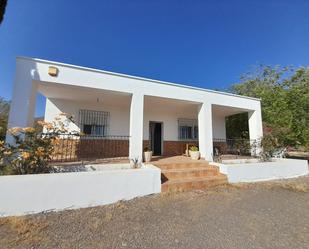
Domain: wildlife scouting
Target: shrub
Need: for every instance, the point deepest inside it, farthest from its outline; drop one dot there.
(243, 146)
(147, 149)
(194, 148)
(32, 150)
(270, 145)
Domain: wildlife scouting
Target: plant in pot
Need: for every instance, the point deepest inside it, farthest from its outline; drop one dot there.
(194, 153)
(147, 154)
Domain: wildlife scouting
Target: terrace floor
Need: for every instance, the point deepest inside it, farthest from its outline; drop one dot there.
(156, 160)
(159, 160)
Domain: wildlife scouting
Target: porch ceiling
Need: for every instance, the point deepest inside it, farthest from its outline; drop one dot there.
(224, 111)
(83, 94)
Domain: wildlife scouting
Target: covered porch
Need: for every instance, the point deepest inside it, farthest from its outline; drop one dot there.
(107, 120)
(120, 115)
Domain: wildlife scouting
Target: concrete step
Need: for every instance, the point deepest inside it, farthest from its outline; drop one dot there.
(193, 183)
(172, 174)
(181, 165)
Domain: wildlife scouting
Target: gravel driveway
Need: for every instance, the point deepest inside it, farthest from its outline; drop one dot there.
(264, 215)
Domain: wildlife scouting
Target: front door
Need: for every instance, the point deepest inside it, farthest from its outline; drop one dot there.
(155, 137)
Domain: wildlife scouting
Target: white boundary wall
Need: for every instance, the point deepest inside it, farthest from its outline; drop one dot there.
(24, 194)
(264, 171)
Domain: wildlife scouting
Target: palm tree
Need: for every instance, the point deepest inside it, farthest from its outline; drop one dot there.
(2, 9)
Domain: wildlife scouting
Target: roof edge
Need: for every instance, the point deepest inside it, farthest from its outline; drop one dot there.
(135, 77)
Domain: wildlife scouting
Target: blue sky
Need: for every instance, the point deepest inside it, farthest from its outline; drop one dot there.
(201, 43)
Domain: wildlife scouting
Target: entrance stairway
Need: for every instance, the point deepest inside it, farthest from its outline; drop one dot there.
(189, 175)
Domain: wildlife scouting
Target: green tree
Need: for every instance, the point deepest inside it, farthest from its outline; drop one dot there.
(237, 126)
(284, 92)
(4, 113)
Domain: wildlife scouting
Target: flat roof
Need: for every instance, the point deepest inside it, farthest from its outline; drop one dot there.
(134, 77)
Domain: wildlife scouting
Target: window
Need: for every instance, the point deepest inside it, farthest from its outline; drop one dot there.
(96, 130)
(185, 132)
(195, 132)
(94, 123)
(187, 129)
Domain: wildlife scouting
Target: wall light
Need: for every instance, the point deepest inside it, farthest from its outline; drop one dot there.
(53, 71)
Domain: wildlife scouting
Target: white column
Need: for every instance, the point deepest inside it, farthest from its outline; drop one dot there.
(255, 128)
(136, 126)
(218, 125)
(205, 131)
(23, 99)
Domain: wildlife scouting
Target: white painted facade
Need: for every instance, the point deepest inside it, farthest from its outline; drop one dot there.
(240, 171)
(131, 101)
(25, 194)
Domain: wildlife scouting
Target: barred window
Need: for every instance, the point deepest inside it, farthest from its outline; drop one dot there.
(94, 123)
(187, 129)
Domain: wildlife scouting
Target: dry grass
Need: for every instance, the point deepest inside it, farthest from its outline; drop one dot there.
(291, 186)
(24, 229)
(295, 187)
(238, 185)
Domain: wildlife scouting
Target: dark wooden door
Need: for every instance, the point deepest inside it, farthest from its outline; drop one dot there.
(155, 130)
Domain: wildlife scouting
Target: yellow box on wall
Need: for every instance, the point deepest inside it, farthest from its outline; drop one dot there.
(53, 71)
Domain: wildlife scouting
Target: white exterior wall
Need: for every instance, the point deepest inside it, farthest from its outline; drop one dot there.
(120, 118)
(92, 78)
(30, 72)
(218, 126)
(119, 122)
(37, 193)
(169, 116)
(264, 171)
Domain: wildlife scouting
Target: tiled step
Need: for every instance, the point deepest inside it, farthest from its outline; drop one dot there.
(181, 165)
(193, 183)
(172, 174)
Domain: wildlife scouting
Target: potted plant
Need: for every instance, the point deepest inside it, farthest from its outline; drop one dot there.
(194, 153)
(147, 154)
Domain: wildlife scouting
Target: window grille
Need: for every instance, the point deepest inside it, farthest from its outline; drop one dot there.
(94, 123)
(187, 129)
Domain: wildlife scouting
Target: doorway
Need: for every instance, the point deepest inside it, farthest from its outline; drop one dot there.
(155, 137)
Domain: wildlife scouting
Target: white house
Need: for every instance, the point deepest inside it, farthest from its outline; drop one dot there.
(162, 114)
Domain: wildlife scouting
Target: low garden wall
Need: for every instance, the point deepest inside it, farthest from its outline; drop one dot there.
(263, 171)
(23, 194)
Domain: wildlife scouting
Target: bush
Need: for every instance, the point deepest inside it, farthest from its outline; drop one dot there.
(270, 146)
(31, 151)
(194, 148)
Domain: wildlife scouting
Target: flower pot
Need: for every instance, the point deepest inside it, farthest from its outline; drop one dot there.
(195, 155)
(147, 156)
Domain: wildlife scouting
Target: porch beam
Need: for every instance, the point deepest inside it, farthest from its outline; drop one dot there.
(205, 131)
(136, 126)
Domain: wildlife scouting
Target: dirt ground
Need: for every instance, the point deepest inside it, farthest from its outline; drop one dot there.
(262, 215)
